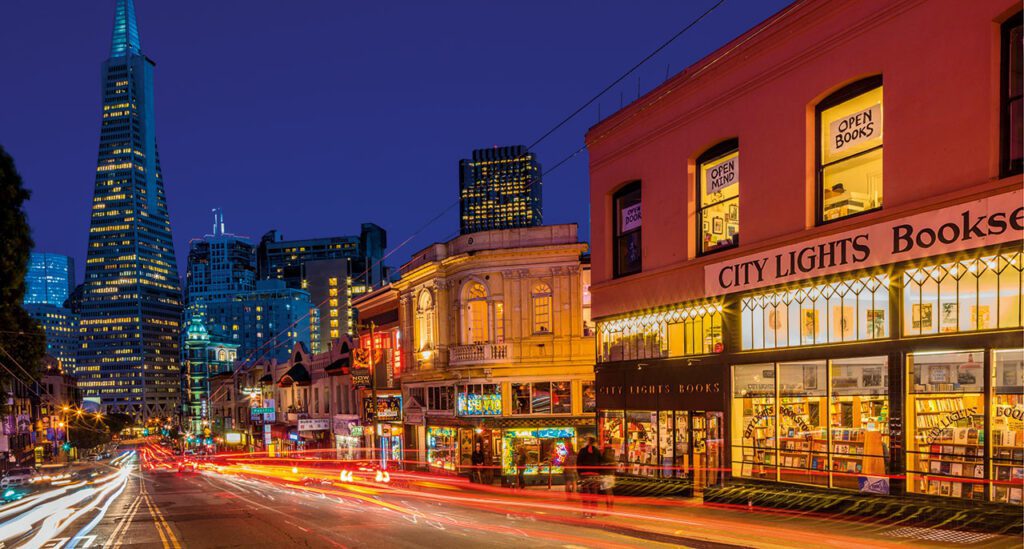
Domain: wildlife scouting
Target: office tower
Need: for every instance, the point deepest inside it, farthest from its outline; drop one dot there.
(331, 269)
(499, 188)
(265, 323)
(131, 304)
(220, 266)
(50, 278)
(61, 328)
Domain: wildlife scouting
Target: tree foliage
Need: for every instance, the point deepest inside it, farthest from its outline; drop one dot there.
(22, 341)
(118, 422)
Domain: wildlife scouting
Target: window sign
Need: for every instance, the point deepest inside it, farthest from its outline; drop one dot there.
(722, 175)
(630, 218)
(479, 405)
(855, 129)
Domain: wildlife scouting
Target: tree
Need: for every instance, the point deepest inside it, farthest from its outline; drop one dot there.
(86, 434)
(117, 422)
(22, 341)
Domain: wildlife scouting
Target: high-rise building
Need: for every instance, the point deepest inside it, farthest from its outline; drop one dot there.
(333, 270)
(61, 328)
(499, 188)
(50, 278)
(265, 323)
(131, 304)
(220, 266)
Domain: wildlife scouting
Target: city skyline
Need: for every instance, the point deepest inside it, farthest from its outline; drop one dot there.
(350, 141)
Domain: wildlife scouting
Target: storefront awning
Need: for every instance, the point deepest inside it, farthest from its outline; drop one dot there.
(297, 375)
(267, 379)
(339, 367)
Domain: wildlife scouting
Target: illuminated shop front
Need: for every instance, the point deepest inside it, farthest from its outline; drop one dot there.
(908, 380)
(665, 419)
(443, 448)
(545, 449)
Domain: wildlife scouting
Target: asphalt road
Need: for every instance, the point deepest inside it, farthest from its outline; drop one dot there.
(164, 508)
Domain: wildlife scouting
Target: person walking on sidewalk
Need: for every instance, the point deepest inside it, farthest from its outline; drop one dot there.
(477, 461)
(588, 464)
(608, 464)
(521, 467)
(572, 477)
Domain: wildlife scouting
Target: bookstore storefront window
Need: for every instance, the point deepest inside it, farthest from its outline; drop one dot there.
(947, 443)
(675, 331)
(665, 443)
(815, 422)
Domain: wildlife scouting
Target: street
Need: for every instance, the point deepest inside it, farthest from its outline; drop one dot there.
(144, 501)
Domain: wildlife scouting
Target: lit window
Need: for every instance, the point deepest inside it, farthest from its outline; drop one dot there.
(718, 197)
(541, 297)
(475, 321)
(628, 255)
(850, 150)
(424, 321)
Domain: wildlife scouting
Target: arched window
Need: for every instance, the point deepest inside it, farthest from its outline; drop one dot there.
(541, 297)
(718, 197)
(424, 321)
(475, 322)
(849, 150)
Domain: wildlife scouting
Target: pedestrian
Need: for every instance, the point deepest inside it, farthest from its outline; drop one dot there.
(572, 477)
(521, 467)
(608, 464)
(477, 461)
(588, 465)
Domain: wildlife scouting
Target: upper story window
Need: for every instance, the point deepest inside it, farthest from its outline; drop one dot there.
(475, 322)
(424, 321)
(628, 255)
(541, 297)
(1012, 135)
(850, 150)
(718, 197)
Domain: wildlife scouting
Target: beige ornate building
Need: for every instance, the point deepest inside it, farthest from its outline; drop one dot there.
(498, 348)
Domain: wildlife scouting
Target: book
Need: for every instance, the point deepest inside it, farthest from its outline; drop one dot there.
(934, 466)
(956, 469)
(979, 471)
(960, 435)
(945, 488)
(958, 489)
(1015, 494)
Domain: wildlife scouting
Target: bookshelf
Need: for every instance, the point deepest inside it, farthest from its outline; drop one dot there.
(948, 457)
(1007, 449)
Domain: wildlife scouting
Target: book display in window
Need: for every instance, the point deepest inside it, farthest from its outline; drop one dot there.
(1008, 448)
(759, 450)
(803, 446)
(948, 453)
(860, 436)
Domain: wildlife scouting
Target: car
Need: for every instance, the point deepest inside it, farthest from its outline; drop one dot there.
(18, 477)
(187, 467)
(364, 471)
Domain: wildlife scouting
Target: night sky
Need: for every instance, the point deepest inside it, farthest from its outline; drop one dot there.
(312, 116)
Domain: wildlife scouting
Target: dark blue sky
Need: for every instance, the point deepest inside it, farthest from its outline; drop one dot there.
(312, 116)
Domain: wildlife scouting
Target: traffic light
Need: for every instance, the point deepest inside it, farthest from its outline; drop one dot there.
(66, 446)
(145, 432)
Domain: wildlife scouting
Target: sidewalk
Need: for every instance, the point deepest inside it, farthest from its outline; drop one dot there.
(688, 522)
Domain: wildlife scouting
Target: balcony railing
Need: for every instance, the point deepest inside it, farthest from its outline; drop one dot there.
(479, 353)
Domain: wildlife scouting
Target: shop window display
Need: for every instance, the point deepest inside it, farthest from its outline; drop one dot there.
(850, 150)
(545, 449)
(611, 432)
(589, 397)
(542, 397)
(946, 420)
(859, 420)
(959, 296)
(1008, 426)
(753, 421)
(846, 310)
(788, 427)
(641, 440)
(442, 447)
(678, 331)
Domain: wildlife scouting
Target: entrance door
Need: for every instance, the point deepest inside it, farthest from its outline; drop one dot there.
(706, 437)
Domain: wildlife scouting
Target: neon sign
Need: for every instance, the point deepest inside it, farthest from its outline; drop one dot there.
(478, 405)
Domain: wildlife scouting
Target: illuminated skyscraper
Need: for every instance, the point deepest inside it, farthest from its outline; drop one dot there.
(50, 278)
(131, 304)
(499, 188)
(220, 266)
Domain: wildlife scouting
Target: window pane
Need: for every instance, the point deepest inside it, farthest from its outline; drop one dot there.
(858, 417)
(852, 186)
(720, 225)
(641, 440)
(753, 421)
(542, 398)
(611, 430)
(852, 126)
(803, 450)
(561, 397)
(1008, 425)
(628, 248)
(946, 438)
(589, 397)
(520, 398)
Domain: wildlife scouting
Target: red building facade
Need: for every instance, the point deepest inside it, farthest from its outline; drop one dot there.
(847, 314)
